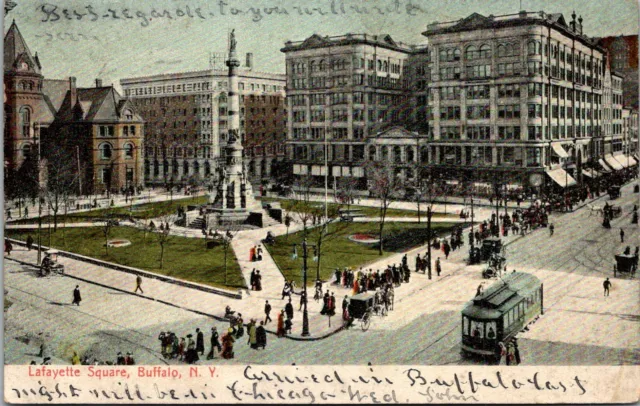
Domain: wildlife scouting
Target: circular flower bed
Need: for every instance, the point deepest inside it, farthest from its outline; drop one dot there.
(364, 238)
(118, 243)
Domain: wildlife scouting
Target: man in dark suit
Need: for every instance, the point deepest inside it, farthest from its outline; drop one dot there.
(199, 342)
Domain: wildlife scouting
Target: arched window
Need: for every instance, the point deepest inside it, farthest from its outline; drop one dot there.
(196, 167)
(175, 166)
(147, 170)
(207, 168)
(533, 48)
(449, 54)
(25, 121)
(471, 52)
(106, 151)
(385, 66)
(128, 150)
(411, 156)
(185, 168)
(379, 65)
(312, 66)
(424, 154)
(156, 168)
(502, 50)
(322, 65)
(456, 54)
(372, 153)
(485, 51)
(397, 154)
(26, 151)
(222, 98)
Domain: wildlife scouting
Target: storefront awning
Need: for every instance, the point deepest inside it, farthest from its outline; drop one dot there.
(613, 163)
(557, 148)
(604, 166)
(633, 160)
(591, 173)
(561, 177)
(622, 160)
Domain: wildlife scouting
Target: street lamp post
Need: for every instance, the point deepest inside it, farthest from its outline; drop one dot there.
(305, 314)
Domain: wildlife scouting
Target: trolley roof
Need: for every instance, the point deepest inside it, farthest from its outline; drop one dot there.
(502, 295)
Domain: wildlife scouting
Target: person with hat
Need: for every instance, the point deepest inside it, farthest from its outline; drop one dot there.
(199, 342)
(261, 336)
(75, 360)
(120, 359)
(239, 326)
(192, 355)
(128, 360)
(267, 310)
(76, 296)
(215, 343)
(227, 344)
(181, 347)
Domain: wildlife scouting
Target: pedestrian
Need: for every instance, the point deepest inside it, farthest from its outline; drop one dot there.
(303, 299)
(199, 342)
(259, 253)
(267, 310)
(8, 247)
(252, 254)
(621, 235)
(551, 229)
(286, 290)
(215, 343)
(8, 214)
(120, 359)
(29, 242)
(288, 309)
(607, 285)
(280, 329)
(251, 332)
(227, 344)
(258, 281)
(288, 325)
(191, 355)
(252, 280)
(294, 255)
(479, 291)
(76, 296)
(261, 336)
(138, 283)
(438, 266)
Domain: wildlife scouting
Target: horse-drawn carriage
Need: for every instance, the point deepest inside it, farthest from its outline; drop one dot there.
(495, 266)
(492, 245)
(627, 263)
(50, 264)
(361, 308)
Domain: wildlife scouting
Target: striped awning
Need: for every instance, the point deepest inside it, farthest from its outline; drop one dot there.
(561, 177)
(557, 148)
(591, 173)
(613, 163)
(604, 166)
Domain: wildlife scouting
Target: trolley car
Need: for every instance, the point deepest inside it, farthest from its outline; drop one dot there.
(499, 313)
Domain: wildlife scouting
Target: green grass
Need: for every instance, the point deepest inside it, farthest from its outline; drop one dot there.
(339, 251)
(141, 211)
(184, 258)
(368, 211)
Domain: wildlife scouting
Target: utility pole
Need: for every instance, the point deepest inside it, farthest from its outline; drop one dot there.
(305, 314)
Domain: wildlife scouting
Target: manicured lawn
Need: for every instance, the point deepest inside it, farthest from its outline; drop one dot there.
(368, 211)
(184, 258)
(339, 251)
(141, 211)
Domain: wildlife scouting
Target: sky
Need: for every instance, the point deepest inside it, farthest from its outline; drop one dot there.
(152, 41)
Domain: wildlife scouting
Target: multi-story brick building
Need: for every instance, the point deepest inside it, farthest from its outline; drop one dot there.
(623, 54)
(514, 95)
(186, 115)
(340, 91)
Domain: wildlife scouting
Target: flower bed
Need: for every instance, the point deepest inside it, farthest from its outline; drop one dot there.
(364, 238)
(118, 243)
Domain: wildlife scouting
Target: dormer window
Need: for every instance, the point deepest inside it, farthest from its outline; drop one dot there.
(128, 115)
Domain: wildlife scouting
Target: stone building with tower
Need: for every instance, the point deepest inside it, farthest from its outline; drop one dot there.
(95, 128)
(186, 116)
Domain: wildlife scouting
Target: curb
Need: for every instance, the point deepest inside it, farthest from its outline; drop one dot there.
(140, 272)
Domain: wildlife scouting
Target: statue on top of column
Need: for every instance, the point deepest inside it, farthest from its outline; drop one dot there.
(232, 41)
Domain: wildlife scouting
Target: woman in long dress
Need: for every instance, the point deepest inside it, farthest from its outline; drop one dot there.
(280, 331)
(227, 344)
(253, 340)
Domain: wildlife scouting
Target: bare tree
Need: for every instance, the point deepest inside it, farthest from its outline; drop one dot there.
(60, 180)
(385, 185)
(302, 206)
(347, 191)
(106, 230)
(164, 231)
(332, 213)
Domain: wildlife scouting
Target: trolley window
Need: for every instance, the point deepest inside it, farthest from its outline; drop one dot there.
(477, 329)
(465, 325)
(491, 330)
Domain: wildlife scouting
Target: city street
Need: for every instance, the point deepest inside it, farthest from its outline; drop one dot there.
(579, 327)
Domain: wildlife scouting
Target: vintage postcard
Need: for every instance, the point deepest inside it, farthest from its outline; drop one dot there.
(328, 201)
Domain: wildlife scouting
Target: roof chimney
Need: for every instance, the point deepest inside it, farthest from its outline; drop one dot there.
(73, 91)
(98, 82)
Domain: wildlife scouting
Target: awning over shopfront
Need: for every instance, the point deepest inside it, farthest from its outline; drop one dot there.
(561, 177)
(591, 173)
(604, 166)
(557, 148)
(622, 160)
(613, 163)
(633, 160)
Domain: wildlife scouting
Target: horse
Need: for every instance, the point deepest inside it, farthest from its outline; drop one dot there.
(595, 209)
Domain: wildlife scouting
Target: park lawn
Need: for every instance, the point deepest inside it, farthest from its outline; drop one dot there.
(368, 211)
(339, 251)
(141, 211)
(184, 258)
